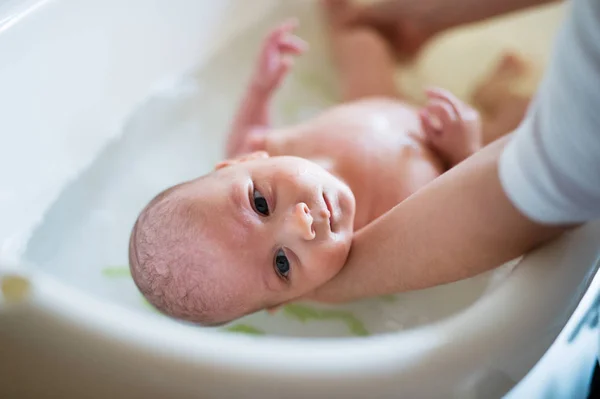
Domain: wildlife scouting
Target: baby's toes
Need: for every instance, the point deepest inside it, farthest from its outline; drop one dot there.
(511, 64)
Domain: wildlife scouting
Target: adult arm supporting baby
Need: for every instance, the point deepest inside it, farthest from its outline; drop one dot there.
(408, 24)
(501, 202)
(459, 225)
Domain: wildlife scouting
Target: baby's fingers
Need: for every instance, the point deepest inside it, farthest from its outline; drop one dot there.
(279, 32)
(431, 131)
(442, 111)
(291, 44)
(286, 27)
(445, 96)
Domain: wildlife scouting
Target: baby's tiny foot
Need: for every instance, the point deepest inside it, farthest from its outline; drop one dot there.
(511, 65)
(501, 86)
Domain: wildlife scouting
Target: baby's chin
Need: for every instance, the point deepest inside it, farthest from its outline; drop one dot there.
(334, 266)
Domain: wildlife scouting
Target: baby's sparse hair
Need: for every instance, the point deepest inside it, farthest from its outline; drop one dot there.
(169, 263)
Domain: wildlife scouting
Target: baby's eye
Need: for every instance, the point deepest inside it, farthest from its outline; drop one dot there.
(282, 264)
(260, 203)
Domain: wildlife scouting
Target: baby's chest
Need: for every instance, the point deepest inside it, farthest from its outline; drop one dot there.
(386, 164)
(381, 184)
(365, 131)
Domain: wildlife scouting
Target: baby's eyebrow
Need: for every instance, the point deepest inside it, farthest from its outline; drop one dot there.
(237, 196)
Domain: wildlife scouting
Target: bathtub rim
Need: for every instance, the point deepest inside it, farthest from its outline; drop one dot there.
(304, 357)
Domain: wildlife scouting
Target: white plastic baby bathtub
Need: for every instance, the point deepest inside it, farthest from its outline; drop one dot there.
(103, 103)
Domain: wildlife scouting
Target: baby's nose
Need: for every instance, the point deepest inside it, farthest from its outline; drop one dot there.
(303, 221)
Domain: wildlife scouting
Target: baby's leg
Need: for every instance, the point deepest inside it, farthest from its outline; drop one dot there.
(364, 61)
(502, 103)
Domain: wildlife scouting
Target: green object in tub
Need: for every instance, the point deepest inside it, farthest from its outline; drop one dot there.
(116, 272)
(244, 329)
(301, 313)
(304, 313)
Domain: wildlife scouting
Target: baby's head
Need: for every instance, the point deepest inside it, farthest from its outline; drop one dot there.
(257, 232)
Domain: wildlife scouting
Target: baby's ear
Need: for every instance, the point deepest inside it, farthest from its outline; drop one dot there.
(242, 158)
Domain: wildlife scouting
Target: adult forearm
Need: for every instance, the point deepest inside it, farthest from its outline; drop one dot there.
(408, 24)
(460, 225)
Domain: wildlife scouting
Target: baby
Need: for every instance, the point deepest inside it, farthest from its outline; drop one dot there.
(276, 219)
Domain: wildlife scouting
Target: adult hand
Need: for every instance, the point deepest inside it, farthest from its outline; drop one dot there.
(409, 24)
(406, 24)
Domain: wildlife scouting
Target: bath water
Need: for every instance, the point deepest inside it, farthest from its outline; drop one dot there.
(178, 134)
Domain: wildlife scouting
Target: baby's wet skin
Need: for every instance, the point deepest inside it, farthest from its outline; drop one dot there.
(259, 231)
(271, 226)
(376, 146)
(304, 210)
(265, 230)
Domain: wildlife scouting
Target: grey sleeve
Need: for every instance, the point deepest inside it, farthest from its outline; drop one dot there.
(551, 168)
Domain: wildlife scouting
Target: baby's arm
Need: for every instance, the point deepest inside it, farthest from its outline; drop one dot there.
(273, 64)
(452, 127)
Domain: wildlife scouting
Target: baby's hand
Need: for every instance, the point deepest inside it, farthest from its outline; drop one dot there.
(276, 56)
(452, 127)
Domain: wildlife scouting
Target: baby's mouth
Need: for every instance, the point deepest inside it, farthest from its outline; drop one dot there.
(330, 209)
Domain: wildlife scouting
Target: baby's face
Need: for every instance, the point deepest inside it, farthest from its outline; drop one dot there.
(280, 227)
